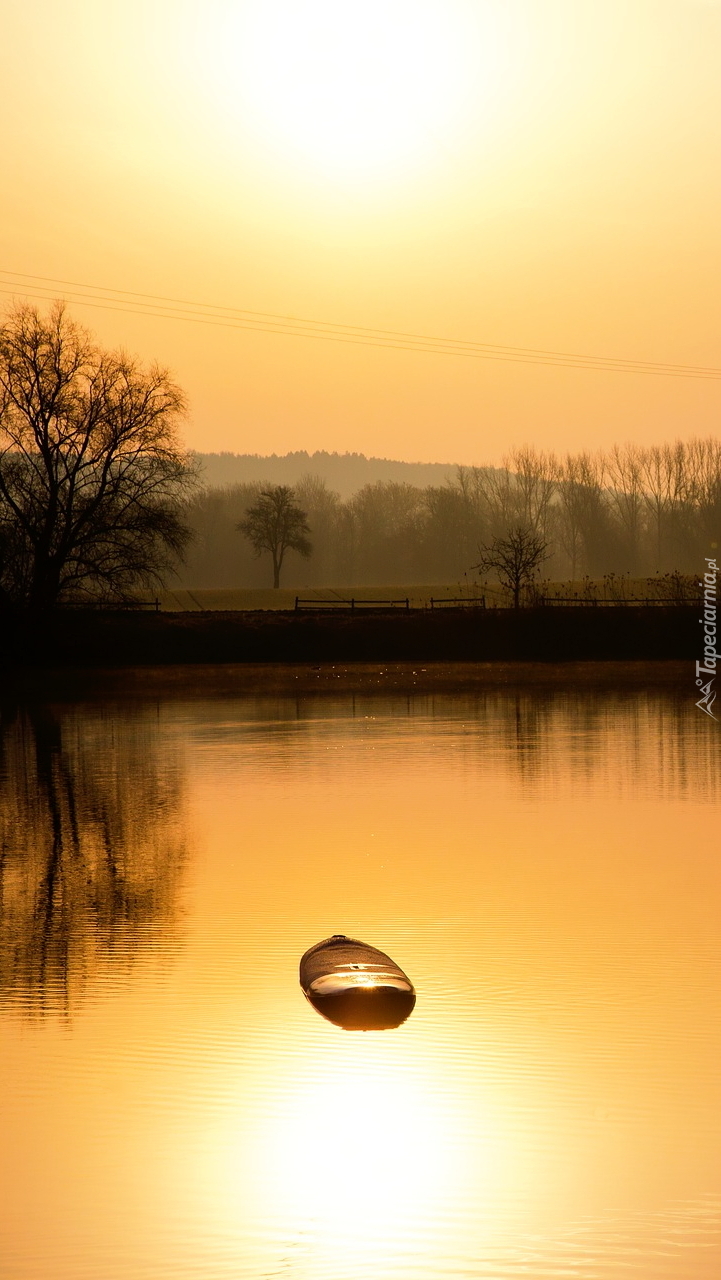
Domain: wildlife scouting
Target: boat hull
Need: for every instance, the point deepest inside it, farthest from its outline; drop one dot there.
(356, 986)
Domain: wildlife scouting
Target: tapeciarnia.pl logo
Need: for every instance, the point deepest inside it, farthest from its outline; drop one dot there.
(710, 656)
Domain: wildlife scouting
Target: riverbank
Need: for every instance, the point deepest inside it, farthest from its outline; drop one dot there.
(366, 680)
(120, 639)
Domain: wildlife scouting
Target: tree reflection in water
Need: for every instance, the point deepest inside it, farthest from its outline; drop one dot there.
(91, 849)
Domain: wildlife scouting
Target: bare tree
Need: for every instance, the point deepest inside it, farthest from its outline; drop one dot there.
(212, 558)
(536, 477)
(469, 485)
(322, 506)
(571, 504)
(386, 525)
(702, 491)
(516, 559)
(625, 497)
(502, 498)
(92, 475)
(663, 473)
(585, 517)
(445, 544)
(276, 523)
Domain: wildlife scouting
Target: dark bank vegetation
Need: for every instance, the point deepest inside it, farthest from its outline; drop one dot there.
(93, 479)
(108, 638)
(630, 511)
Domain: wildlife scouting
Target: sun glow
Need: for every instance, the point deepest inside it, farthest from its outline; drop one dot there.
(360, 1156)
(351, 89)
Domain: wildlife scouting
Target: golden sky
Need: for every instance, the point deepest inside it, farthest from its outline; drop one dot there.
(530, 173)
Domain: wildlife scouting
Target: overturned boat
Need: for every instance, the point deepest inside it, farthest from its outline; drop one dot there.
(356, 986)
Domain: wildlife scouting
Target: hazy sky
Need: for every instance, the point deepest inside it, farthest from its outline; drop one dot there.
(542, 174)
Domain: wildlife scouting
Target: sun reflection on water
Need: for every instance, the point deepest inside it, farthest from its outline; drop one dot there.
(363, 1154)
(367, 1151)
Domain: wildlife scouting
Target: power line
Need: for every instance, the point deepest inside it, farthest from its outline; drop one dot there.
(153, 299)
(162, 307)
(309, 333)
(147, 304)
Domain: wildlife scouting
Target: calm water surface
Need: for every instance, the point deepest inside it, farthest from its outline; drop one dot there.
(545, 866)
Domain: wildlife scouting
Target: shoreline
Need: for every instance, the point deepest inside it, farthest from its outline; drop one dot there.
(91, 639)
(248, 680)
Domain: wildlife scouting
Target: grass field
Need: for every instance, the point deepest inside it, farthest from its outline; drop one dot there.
(198, 600)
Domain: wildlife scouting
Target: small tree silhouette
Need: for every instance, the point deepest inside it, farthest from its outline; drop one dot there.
(516, 559)
(276, 523)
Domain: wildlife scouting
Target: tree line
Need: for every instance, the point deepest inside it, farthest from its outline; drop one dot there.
(99, 499)
(345, 472)
(632, 509)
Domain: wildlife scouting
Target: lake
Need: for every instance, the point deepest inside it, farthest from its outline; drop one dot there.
(543, 862)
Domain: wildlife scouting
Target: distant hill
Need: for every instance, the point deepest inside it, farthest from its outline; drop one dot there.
(343, 472)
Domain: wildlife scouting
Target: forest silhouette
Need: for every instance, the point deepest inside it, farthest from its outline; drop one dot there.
(631, 510)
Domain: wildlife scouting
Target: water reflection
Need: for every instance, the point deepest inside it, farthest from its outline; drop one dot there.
(541, 864)
(546, 737)
(92, 847)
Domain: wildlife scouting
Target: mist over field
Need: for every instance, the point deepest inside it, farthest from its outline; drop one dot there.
(628, 511)
(345, 473)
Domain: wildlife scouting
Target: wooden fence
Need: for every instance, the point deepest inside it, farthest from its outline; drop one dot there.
(352, 605)
(458, 602)
(594, 601)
